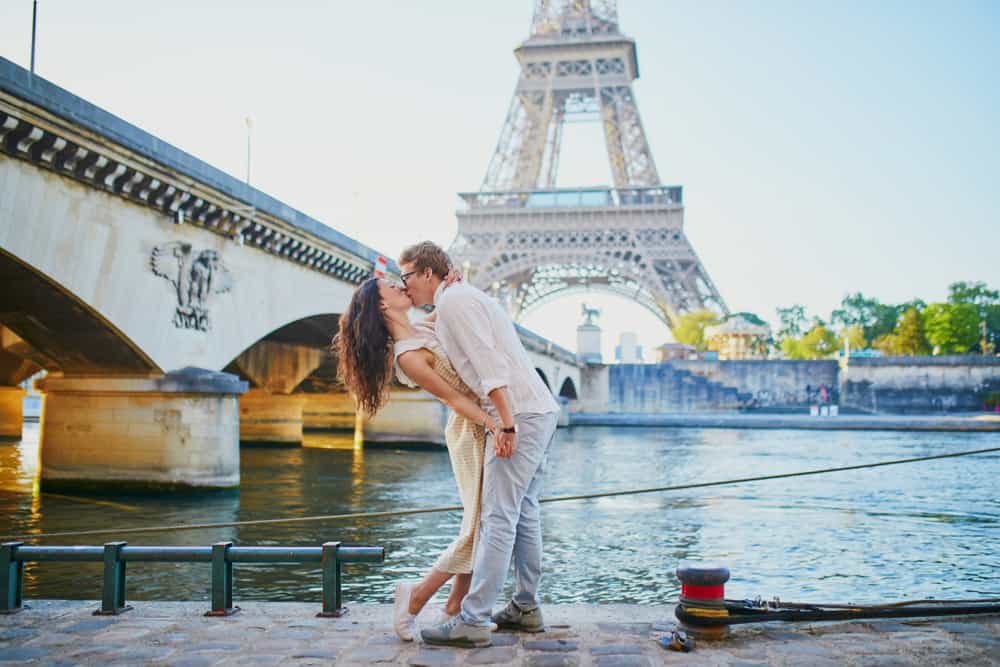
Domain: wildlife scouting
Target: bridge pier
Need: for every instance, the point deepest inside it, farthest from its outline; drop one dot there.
(329, 411)
(270, 413)
(11, 412)
(410, 416)
(177, 431)
(269, 419)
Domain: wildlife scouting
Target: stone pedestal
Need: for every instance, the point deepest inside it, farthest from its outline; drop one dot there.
(563, 412)
(411, 416)
(332, 411)
(588, 343)
(271, 420)
(11, 412)
(175, 432)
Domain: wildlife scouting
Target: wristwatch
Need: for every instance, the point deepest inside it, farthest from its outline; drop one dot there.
(509, 429)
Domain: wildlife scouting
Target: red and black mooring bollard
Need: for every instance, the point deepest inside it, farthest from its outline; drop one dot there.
(703, 597)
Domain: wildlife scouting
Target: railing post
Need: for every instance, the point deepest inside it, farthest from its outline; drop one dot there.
(222, 581)
(113, 596)
(11, 578)
(332, 601)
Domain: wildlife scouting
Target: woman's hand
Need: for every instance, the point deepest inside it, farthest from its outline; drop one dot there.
(505, 445)
(493, 427)
(454, 276)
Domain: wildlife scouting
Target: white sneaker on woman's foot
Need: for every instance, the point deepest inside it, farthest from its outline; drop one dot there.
(403, 621)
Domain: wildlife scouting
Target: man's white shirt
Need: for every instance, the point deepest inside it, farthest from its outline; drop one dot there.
(485, 350)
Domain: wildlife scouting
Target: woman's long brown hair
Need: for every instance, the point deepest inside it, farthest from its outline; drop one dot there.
(364, 349)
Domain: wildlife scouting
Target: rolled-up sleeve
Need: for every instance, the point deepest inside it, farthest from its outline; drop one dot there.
(470, 327)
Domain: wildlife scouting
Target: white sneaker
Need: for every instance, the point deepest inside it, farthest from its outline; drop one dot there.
(443, 617)
(403, 621)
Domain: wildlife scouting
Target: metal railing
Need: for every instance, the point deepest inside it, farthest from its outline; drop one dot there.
(221, 555)
(596, 197)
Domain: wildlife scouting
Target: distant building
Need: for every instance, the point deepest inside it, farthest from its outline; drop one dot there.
(674, 351)
(628, 350)
(739, 336)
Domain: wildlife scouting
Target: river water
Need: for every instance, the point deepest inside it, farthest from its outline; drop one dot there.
(917, 530)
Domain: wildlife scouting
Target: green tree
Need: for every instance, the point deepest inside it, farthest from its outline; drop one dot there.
(690, 328)
(790, 348)
(987, 303)
(910, 336)
(907, 338)
(952, 328)
(818, 343)
(793, 321)
(976, 294)
(855, 309)
(875, 318)
(992, 323)
(854, 334)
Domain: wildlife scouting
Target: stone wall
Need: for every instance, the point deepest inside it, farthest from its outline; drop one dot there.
(920, 384)
(770, 383)
(686, 386)
(886, 385)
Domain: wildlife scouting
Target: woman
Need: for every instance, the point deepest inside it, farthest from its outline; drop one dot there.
(374, 332)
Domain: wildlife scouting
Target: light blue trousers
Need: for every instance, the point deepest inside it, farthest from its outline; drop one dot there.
(510, 521)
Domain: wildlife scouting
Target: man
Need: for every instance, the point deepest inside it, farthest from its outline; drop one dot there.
(483, 346)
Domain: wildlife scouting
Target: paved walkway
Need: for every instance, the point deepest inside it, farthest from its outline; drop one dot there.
(978, 422)
(176, 633)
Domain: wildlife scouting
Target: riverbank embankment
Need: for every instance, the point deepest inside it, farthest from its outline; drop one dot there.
(981, 422)
(269, 633)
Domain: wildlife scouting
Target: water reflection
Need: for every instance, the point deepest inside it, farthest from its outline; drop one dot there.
(907, 531)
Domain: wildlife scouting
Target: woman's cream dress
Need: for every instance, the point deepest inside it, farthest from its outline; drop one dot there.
(466, 442)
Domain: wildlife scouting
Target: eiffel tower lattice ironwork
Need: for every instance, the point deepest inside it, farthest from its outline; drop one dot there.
(527, 241)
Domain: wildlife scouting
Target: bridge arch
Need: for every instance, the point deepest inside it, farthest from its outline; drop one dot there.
(545, 378)
(664, 287)
(65, 333)
(578, 290)
(568, 389)
(288, 356)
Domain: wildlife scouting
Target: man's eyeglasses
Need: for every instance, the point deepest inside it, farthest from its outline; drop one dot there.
(406, 275)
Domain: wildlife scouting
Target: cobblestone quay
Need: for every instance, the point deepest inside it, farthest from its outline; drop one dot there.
(176, 633)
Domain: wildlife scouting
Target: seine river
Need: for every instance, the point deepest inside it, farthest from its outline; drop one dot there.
(917, 530)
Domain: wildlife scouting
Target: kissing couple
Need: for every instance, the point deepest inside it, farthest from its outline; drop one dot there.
(501, 421)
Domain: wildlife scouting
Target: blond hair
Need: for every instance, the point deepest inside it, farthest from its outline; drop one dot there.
(427, 255)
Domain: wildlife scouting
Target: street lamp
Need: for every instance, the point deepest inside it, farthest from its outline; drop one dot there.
(34, 24)
(249, 128)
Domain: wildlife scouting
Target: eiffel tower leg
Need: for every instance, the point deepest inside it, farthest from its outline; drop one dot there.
(631, 159)
(517, 160)
(533, 144)
(613, 139)
(554, 146)
(500, 172)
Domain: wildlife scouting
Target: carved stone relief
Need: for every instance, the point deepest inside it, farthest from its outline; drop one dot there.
(196, 276)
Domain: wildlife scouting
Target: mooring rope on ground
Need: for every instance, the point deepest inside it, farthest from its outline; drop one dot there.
(452, 508)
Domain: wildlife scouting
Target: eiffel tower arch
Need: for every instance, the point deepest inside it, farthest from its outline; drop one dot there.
(528, 242)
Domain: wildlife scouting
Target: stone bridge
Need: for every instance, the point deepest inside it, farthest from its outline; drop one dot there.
(175, 310)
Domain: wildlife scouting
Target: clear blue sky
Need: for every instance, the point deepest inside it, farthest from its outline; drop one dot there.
(824, 147)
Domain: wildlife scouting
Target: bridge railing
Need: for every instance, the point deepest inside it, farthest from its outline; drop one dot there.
(597, 197)
(533, 341)
(221, 555)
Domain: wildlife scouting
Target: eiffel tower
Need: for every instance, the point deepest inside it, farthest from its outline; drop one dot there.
(528, 242)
